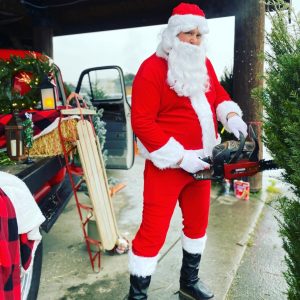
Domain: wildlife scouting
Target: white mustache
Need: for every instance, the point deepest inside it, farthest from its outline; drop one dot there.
(187, 73)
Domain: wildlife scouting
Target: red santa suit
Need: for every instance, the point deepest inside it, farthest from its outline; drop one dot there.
(169, 120)
(166, 125)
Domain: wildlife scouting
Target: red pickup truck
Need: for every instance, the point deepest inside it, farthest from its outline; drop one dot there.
(46, 178)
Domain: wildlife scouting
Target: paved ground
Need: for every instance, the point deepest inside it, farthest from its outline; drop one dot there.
(260, 273)
(67, 273)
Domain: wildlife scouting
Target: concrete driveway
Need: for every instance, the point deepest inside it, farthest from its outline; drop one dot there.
(67, 273)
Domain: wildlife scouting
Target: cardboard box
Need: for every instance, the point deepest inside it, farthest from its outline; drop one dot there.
(241, 189)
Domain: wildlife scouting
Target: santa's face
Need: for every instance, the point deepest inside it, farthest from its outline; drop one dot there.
(187, 73)
(192, 37)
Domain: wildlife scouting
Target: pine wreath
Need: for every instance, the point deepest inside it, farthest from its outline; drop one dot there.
(28, 71)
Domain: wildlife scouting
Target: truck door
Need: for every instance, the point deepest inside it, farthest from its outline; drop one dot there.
(104, 87)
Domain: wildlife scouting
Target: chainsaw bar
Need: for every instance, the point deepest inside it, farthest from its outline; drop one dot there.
(267, 165)
(240, 169)
(235, 159)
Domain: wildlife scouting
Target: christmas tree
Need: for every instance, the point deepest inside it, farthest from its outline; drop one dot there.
(281, 100)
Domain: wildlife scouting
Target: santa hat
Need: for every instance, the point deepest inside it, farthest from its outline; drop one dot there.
(185, 17)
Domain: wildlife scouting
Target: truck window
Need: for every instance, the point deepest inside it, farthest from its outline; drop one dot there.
(102, 85)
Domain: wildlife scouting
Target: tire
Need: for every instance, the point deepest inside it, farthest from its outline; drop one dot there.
(31, 281)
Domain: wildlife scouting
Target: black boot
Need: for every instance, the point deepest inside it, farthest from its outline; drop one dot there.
(191, 287)
(138, 287)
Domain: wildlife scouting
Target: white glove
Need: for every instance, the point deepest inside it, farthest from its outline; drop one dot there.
(192, 163)
(237, 125)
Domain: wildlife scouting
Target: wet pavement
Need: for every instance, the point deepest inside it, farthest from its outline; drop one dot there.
(67, 273)
(259, 275)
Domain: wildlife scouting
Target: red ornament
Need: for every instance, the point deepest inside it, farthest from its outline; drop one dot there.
(21, 82)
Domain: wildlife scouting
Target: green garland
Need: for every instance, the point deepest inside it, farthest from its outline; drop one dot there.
(5, 160)
(31, 70)
(28, 131)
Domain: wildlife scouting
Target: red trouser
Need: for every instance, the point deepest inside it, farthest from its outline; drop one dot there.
(162, 189)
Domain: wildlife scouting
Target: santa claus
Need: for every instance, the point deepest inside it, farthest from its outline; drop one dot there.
(176, 102)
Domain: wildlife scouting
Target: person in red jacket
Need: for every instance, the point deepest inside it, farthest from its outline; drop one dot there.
(176, 102)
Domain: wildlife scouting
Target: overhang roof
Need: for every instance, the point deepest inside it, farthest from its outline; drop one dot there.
(17, 17)
(71, 16)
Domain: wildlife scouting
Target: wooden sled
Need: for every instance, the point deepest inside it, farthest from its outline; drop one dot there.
(95, 175)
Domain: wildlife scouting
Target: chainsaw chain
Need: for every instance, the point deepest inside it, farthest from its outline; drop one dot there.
(267, 165)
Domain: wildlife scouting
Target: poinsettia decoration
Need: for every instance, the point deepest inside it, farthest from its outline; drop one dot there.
(20, 78)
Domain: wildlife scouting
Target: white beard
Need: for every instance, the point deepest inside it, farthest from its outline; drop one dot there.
(187, 76)
(187, 72)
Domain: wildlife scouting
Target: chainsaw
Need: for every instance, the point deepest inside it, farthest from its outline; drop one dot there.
(235, 159)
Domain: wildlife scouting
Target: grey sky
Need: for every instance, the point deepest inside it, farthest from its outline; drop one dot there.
(127, 48)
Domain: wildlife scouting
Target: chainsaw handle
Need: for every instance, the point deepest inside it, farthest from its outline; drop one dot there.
(240, 149)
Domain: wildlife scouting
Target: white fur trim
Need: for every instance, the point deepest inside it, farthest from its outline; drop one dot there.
(177, 24)
(142, 149)
(34, 234)
(160, 52)
(23, 271)
(193, 246)
(224, 109)
(188, 22)
(205, 116)
(144, 152)
(140, 265)
(28, 214)
(168, 155)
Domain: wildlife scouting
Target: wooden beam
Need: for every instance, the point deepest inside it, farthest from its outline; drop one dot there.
(43, 39)
(248, 68)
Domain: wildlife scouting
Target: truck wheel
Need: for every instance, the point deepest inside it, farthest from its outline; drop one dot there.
(30, 281)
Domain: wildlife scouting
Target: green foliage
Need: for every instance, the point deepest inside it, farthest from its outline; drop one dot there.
(27, 71)
(5, 160)
(290, 233)
(227, 81)
(281, 97)
(281, 101)
(69, 88)
(28, 131)
(128, 79)
(98, 93)
(99, 125)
